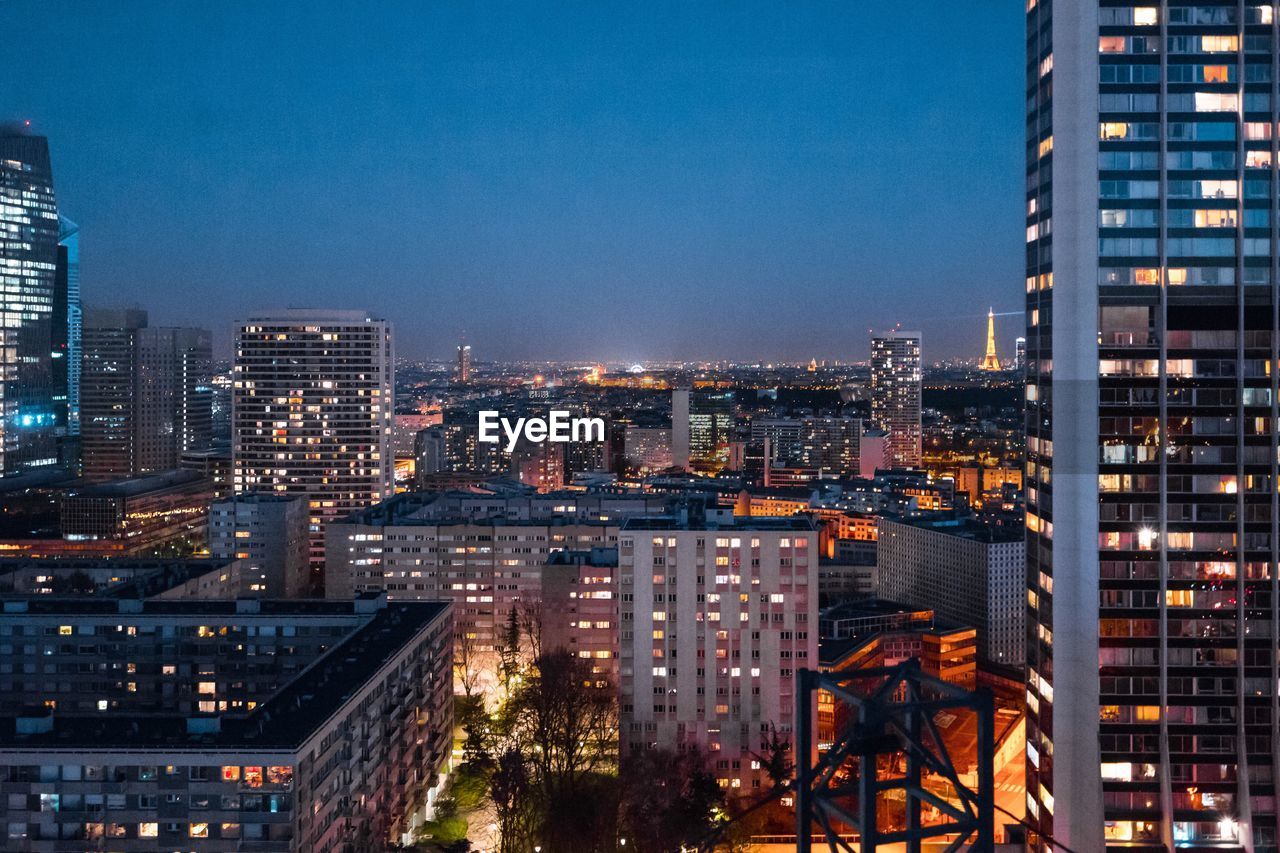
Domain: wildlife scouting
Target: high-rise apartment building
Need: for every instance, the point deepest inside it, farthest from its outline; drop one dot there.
(28, 270)
(970, 573)
(1151, 411)
(895, 394)
(827, 446)
(146, 394)
(313, 400)
(270, 534)
(718, 615)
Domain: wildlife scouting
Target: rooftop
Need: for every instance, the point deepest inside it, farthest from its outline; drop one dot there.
(284, 720)
(965, 527)
(134, 486)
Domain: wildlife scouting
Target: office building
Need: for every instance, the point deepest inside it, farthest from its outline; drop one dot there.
(1151, 395)
(137, 515)
(702, 424)
(327, 730)
(270, 532)
(214, 464)
(895, 395)
(29, 266)
(718, 616)
(68, 326)
(145, 394)
(313, 402)
(1020, 353)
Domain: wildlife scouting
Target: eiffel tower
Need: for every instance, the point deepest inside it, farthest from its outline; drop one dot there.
(990, 361)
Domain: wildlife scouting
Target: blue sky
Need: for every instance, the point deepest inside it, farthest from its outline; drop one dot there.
(555, 180)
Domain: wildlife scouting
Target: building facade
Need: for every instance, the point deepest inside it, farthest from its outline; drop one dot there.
(270, 533)
(716, 619)
(969, 573)
(279, 726)
(895, 395)
(28, 267)
(68, 326)
(313, 400)
(146, 394)
(1151, 410)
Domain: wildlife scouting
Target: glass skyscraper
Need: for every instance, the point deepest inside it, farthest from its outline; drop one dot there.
(1152, 294)
(28, 271)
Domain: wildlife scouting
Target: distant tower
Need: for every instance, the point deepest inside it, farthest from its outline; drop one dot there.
(896, 395)
(990, 361)
(1020, 354)
(463, 369)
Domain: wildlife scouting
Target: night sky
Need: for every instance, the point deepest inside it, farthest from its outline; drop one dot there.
(555, 180)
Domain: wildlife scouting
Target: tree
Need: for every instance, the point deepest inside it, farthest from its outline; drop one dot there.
(477, 745)
(669, 799)
(531, 625)
(509, 649)
(512, 793)
(775, 758)
(467, 668)
(569, 724)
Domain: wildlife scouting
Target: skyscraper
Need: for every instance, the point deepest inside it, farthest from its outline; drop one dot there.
(145, 391)
(462, 371)
(28, 266)
(1151, 410)
(68, 323)
(1019, 353)
(895, 394)
(311, 413)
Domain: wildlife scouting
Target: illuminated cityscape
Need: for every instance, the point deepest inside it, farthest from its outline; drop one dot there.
(489, 429)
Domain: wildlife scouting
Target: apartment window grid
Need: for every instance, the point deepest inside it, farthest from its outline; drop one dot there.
(1187, 277)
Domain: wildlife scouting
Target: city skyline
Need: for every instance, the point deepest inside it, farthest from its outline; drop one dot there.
(769, 185)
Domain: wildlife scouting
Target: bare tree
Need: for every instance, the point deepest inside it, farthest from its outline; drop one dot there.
(531, 625)
(466, 663)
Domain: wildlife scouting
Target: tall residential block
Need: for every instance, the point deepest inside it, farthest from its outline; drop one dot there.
(270, 534)
(1151, 388)
(718, 615)
(895, 395)
(967, 572)
(313, 399)
(28, 269)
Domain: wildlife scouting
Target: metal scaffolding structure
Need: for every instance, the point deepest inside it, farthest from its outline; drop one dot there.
(892, 721)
